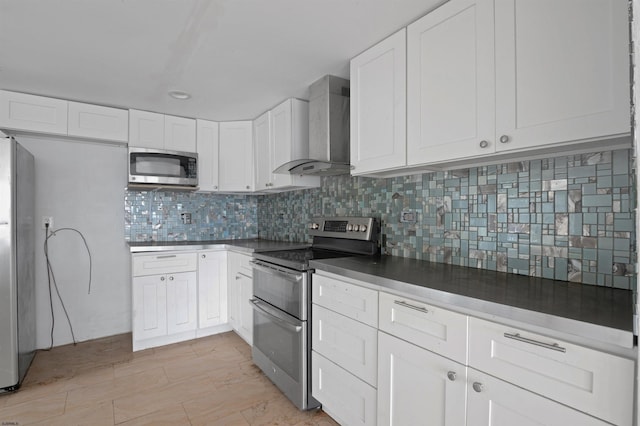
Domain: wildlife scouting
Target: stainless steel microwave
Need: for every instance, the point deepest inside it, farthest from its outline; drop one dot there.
(152, 166)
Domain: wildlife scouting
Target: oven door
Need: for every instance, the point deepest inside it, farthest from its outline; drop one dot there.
(280, 348)
(284, 288)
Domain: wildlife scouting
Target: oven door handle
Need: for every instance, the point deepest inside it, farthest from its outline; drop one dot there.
(297, 276)
(275, 315)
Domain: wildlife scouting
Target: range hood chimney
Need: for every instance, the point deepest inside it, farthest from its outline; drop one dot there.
(328, 130)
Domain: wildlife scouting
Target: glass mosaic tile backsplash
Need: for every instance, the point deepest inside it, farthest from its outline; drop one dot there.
(181, 216)
(568, 218)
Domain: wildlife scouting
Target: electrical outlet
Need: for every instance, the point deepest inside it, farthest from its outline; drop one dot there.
(407, 216)
(47, 220)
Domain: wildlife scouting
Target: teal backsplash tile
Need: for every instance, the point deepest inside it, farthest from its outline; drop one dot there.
(560, 218)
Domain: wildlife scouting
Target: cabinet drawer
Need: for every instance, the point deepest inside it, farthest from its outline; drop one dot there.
(591, 381)
(166, 263)
(348, 343)
(347, 299)
(436, 329)
(343, 396)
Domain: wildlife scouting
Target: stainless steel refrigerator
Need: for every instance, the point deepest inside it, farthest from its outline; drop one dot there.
(17, 263)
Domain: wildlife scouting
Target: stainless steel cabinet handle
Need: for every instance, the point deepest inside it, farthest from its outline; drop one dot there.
(166, 256)
(410, 306)
(238, 277)
(478, 387)
(519, 338)
(215, 187)
(171, 278)
(452, 375)
(275, 315)
(204, 256)
(161, 278)
(504, 139)
(484, 144)
(248, 187)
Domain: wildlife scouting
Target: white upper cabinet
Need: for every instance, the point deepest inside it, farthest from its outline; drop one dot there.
(146, 129)
(19, 111)
(566, 83)
(236, 156)
(179, 133)
(450, 83)
(98, 122)
(280, 136)
(378, 106)
(207, 149)
(262, 149)
(159, 131)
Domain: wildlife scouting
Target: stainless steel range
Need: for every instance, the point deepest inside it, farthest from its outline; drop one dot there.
(282, 300)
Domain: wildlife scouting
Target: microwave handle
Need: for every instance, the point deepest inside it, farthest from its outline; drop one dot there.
(275, 315)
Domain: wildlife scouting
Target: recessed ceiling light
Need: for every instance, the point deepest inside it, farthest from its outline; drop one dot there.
(179, 94)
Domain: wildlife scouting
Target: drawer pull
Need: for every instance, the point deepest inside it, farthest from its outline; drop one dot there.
(410, 306)
(167, 256)
(451, 375)
(519, 338)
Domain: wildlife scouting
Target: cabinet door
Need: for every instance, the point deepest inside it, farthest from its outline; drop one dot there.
(236, 156)
(179, 134)
(566, 83)
(282, 139)
(418, 387)
(450, 83)
(246, 311)
(98, 122)
(20, 111)
(262, 147)
(146, 129)
(212, 288)
(492, 402)
(207, 148)
(378, 106)
(149, 306)
(344, 397)
(182, 299)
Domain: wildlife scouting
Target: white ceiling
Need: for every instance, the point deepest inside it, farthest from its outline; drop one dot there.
(237, 58)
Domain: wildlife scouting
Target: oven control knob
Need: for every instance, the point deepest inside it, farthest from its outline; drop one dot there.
(314, 226)
(349, 227)
(356, 228)
(363, 228)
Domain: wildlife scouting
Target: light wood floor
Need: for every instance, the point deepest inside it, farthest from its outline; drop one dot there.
(208, 381)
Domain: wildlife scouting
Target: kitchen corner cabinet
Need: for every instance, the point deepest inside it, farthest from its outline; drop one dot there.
(207, 147)
(378, 106)
(240, 291)
(212, 288)
(236, 156)
(159, 131)
(282, 135)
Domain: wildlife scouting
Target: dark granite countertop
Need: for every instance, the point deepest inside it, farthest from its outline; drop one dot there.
(248, 245)
(582, 310)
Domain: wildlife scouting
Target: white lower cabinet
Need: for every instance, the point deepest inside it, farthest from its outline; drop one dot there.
(178, 296)
(212, 288)
(240, 290)
(163, 305)
(349, 400)
(418, 387)
(493, 402)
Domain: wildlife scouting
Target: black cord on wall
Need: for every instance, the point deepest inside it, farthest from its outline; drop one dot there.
(51, 279)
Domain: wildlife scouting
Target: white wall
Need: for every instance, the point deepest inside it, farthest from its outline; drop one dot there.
(81, 184)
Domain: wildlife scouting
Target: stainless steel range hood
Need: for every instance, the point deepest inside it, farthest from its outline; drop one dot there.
(328, 131)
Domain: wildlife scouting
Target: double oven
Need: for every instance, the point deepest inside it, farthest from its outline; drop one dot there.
(282, 300)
